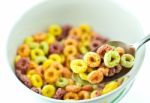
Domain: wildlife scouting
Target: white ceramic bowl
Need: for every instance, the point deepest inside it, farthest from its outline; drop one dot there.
(104, 16)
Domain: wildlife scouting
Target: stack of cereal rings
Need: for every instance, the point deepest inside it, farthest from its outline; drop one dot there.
(59, 63)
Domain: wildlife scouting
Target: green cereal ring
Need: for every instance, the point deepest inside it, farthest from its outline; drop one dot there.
(45, 47)
(62, 82)
(55, 58)
(78, 66)
(127, 60)
(28, 40)
(48, 90)
(92, 59)
(36, 52)
(111, 59)
(33, 45)
(40, 59)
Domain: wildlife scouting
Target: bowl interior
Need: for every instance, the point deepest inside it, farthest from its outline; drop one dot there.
(106, 17)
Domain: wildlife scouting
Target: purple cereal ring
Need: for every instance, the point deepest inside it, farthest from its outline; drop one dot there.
(55, 48)
(59, 93)
(65, 31)
(23, 78)
(23, 65)
(99, 38)
(95, 44)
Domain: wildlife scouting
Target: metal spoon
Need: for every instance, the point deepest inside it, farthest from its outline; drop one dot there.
(129, 48)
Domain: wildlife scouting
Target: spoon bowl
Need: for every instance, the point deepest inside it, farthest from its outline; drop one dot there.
(129, 49)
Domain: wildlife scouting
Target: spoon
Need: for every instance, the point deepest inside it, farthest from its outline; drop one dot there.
(129, 48)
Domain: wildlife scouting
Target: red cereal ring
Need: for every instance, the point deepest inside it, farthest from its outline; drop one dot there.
(55, 48)
(95, 44)
(23, 64)
(103, 49)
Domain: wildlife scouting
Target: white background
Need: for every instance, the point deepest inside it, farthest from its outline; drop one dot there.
(10, 10)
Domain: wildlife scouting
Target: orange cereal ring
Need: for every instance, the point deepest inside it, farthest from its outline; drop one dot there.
(38, 37)
(84, 95)
(73, 88)
(95, 76)
(75, 32)
(51, 75)
(71, 96)
(120, 50)
(33, 65)
(105, 71)
(40, 70)
(57, 66)
(70, 51)
(24, 50)
(65, 72)
(87, 87)
(70, 42)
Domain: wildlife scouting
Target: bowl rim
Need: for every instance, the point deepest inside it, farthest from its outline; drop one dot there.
(122, 86)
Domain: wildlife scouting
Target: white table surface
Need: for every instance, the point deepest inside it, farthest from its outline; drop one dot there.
(10, 10)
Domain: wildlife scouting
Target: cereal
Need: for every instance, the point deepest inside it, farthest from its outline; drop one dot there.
(92, 59)
(23, 65)
(62, 82)
(127, 60)
(59, 93)
(36, 52)
(78, 66)
(36, 80)
(70, 63)
(48, 90)
(70, 51)
(55, 58)
(103, 49)
(73, 88)
(109, 87)
(111, 59)
(71, 96)
(38, 37)
(51, 75)
(45, 47)
(24, 50)
(55, 30)
(95, 77)
(84, 95)
(55, 48)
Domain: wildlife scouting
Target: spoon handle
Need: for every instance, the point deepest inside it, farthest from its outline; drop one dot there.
(138, 44)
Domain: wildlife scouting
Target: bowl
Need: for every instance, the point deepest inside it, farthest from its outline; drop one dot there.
(105, 16)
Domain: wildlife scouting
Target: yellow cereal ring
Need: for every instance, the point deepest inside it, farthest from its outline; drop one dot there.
(83, 76)
(30, 73)
(48, 90)
(51, 75)
(36, 52)
(84, 95)
(47, 63)
(17, 58)
(24, 50)
(71, 96)
(95, 77)
(55, 30)
(85, 28)
(50, 39)
(36, 80)
(70, 51)
(94, 94)
(28, 40)
(110, 86)
(55, 58)
(78, 66)
(92, 59)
